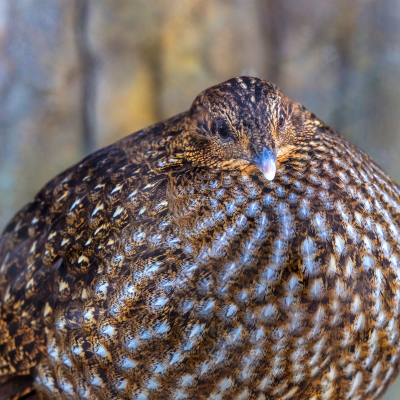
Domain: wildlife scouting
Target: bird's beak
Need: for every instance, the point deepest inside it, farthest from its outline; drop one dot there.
(266, 163)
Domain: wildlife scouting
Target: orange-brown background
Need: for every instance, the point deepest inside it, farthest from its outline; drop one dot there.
(76, 75)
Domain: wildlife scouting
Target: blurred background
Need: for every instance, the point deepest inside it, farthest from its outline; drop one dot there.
(77, 75)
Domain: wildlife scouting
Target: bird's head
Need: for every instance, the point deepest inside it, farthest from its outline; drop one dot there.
(242, 122)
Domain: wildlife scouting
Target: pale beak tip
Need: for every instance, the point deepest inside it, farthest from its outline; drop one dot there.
(269, 171)
(266, 163)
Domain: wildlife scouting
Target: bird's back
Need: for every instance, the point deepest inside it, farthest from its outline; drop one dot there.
(84, 224)
(136, 276)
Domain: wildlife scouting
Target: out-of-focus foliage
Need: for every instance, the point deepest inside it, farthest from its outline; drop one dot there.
(76, 75)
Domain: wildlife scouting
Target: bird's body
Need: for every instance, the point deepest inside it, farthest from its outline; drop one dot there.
(159, 269)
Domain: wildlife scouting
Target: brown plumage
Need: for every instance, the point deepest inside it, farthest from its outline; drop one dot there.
(240, 250)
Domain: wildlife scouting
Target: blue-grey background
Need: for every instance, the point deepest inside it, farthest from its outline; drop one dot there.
(76, 75)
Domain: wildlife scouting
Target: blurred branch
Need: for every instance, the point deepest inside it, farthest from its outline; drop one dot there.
(344, 43)
(153, 55)
(87, 66)
(272, 23)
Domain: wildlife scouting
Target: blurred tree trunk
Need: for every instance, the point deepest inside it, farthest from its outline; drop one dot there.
(41, 98)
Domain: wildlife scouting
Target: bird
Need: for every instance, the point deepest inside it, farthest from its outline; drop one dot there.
(240, 250)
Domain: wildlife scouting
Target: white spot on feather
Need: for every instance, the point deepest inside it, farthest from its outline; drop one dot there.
(339, 244)
(116, 189)
(118, 211)
(75, 204)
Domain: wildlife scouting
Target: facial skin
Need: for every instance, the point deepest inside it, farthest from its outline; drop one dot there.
(245, 121)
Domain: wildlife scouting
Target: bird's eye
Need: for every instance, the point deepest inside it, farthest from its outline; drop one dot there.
(223, 132)
(282, 120)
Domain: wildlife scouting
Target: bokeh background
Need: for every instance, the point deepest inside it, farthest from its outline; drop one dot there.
(77, 75)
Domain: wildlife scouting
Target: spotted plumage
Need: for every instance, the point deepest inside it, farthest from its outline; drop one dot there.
(240, 250)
